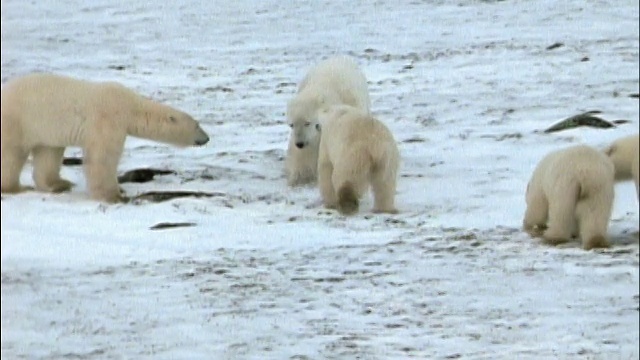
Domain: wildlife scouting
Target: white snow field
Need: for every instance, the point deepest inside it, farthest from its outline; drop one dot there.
(466, 87)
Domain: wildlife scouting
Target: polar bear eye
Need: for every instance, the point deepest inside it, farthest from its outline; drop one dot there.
(172, 119)
(318, 127)
(291, 126)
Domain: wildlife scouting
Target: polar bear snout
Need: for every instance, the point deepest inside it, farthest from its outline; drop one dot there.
(201, 138)
(300, 144)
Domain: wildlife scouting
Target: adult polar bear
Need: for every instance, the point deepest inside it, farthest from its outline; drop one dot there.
(572, 189)
(334, 81)
(625, 154)
(44, 113)
(356, 150)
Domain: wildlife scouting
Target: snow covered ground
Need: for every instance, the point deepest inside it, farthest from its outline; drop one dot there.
(466, 86)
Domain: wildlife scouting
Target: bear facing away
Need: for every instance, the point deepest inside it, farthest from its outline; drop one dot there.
(356, 150)
(44, 113)
(571, 193)
(334, 81)
(625, 154)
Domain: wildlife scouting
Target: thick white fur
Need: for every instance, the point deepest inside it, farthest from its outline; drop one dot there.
(625, 154)
(356, 150)
(334, 81)
(571, 193)
(44, 113)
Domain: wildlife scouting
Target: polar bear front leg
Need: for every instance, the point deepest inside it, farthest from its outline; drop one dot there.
(12, 159)
(46, 169)
(101, 165)
(301, 165)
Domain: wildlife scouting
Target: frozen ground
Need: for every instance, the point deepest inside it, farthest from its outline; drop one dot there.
(267, 274)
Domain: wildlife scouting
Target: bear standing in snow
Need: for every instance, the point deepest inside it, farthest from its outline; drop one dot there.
(356, 150)
(44, 113)
(334, 81)
(625, 154)
(571, 192)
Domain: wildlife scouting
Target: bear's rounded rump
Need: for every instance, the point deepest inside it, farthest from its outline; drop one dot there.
(571, 193)
(356, 151)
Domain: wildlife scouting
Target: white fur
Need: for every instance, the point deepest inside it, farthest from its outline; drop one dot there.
(625, 154)
(334, 81)
(43, 113)
(571, 193)
(356, 150)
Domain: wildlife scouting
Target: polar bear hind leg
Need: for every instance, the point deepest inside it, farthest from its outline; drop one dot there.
(593, 213)
(383, 184)
(537, 212)
(325, 173)
(46, 169)
(348, 199)
(351, 179)
(562, 214)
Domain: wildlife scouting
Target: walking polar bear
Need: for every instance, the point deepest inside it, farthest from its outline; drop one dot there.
(625, 154)
(334, 81)
(356, 150)
(571, 193)
(44, 113)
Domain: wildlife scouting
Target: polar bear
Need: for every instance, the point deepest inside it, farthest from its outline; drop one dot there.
(625, 154)
(337, 80)
(44, 113)
(356, 150)
(571, 193)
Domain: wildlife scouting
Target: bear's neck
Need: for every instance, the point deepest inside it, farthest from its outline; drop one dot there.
(145, 118)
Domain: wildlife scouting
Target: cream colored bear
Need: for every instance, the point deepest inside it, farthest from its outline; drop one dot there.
(334, 81)
(571, 193)
(356, 150)
(625, 154)
(43, 113)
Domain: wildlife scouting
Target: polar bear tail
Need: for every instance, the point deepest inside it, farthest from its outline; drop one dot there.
(348, 202)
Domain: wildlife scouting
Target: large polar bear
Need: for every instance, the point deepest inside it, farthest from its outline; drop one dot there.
(334, 81)
(356, 150)
(625, 154)
(44, 113)
(571, 193)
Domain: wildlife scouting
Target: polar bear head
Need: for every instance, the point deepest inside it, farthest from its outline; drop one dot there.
(302, 115)
(166, 124)
(182, 130)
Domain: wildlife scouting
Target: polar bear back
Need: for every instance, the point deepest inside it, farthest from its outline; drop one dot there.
(582, 166)
(346, 128)
(338, 80)
(61, 105)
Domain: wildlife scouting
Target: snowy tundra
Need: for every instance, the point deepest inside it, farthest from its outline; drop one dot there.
(466, 87)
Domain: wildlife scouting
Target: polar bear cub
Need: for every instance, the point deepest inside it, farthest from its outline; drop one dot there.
(356, 150)
(571, 192)
(337, 80)
(44, 113)
(625, 154)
